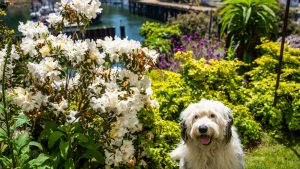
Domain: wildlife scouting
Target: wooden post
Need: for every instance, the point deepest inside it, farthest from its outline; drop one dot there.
(286, 17)
(111, 31)
(122, 30)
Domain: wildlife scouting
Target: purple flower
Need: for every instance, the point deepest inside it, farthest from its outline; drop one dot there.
(185, 37)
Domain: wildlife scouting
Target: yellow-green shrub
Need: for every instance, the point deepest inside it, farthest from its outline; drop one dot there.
(157, 35)
(160, 137)
(170, 92)
(285, 118)
(212, 79)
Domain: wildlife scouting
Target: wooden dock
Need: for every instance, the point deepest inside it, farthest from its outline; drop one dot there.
(158, 10)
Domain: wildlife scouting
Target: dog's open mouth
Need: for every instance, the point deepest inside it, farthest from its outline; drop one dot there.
(205, 139)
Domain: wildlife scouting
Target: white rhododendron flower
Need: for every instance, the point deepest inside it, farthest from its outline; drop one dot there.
(45, 50)
(14, 54)
(54, 19)
(152, 53)
(28, 46)
(71, 117)
(60, 107)
(60, 41)
(26, 99)
(33, 29)
(88, 8)
(118, 46)
(127, 150)
(46, 68)
(94, 53)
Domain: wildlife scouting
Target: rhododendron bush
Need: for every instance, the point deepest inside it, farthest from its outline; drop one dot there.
(86, 87)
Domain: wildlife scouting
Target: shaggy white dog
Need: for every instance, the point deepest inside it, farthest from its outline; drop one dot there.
(210, 141)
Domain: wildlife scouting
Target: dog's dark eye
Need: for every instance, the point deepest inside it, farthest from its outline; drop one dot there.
(212, 115)
(196, 117)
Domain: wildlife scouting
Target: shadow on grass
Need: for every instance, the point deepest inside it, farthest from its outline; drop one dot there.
(274, 154)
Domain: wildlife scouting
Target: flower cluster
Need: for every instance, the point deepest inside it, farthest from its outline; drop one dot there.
(74, 11)
(202, 47)
(205, 48)
(66, 78)
(86, 8)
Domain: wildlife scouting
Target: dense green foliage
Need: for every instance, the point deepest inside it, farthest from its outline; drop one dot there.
(245, 21)
(285, 118)
(157, 35)
(160, 137)
(171, 93)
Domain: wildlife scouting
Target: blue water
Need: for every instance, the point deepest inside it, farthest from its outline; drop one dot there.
(111, 16)
(117, 16)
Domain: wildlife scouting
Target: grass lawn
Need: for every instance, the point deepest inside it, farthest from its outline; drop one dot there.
(272, 155)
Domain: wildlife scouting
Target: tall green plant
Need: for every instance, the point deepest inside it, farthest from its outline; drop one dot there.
(244, 22)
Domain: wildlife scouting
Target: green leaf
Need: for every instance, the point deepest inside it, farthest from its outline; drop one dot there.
(23, 158)
(49, 128)
(69, 164)
(4, 147)
(90, 145)
(81, 137)
(99, 156)
(3, 133)
(22, 140)
(269, 10)
(39, 160)
(36, 144)
(54, 137)
(249, 10)
(1, 109)
(6, 161)
(64, 148)
(20, 120)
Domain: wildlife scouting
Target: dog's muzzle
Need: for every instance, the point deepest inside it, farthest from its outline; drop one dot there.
(204, 138)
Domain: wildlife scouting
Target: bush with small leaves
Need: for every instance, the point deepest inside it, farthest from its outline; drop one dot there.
(285, 117)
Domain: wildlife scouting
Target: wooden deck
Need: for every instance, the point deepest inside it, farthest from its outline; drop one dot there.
(161, 11)
(176, 5)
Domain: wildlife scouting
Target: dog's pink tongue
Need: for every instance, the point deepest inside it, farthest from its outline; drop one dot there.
(205, 140)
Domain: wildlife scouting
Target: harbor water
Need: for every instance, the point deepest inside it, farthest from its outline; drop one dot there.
(111, 16)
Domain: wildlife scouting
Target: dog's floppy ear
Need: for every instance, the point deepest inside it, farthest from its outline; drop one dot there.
(228, 132)
(183, 131)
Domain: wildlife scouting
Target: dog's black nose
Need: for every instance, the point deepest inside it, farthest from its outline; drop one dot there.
(203, 129)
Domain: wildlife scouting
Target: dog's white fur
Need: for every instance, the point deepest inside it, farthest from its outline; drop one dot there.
(219, 154)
